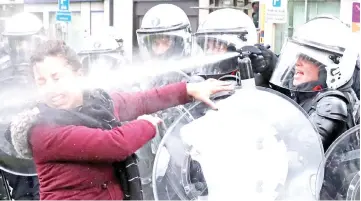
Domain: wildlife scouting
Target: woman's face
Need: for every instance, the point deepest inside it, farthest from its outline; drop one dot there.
(305, 71)
(58, 83)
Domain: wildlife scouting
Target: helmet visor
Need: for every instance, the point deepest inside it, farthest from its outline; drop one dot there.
(163, 45)
(301, 68)
(215, 43)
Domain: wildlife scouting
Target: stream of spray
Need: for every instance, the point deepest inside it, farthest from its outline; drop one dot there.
(150, 74)
(19, 95)
(14, 98)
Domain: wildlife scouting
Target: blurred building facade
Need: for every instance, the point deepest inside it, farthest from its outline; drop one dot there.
(89, 16)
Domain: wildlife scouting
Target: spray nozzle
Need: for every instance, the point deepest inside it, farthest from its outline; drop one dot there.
(243, 60)
(246, 51)
(245, 68)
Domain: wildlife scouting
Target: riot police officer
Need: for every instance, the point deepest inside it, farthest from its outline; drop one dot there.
(22, 33)
(315, 67)
(101, 56)
(100, 48)
(165, 33)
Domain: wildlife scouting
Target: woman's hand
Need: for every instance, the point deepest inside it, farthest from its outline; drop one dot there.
(152, 119)
(203, 90)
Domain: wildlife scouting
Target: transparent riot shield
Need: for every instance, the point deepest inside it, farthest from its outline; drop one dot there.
(146, 154)
(17, 92)
(339, 175)
(259, 145)
(16, 95)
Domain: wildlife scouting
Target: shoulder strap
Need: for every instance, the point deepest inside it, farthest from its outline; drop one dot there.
(346, 97)
(311, 105)
(334, 93)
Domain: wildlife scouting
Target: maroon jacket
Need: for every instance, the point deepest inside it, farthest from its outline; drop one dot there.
(75, 162)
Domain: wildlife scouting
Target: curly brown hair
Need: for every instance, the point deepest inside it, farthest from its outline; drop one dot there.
(57, 48)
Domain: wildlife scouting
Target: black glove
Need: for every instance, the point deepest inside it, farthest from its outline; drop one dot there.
(265, 62)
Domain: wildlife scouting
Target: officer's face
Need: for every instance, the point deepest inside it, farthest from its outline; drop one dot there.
(215, 47)
(57, 83)
(305, 71)
(161, 45)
